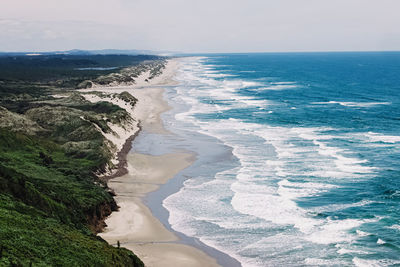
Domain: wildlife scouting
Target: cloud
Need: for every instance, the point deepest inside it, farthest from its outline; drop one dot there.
(201, 26)
(20, 35)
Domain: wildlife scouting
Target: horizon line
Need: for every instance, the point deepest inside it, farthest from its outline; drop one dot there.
(192, 53)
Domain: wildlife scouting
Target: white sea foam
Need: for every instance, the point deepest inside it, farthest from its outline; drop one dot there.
(274, 163)
(394, 226)
(336, 231)
(362, 233)
(359, 262)
(376, 137)
(351, 251)
(218, 75)
(306, 185)
(380, 241)
(353, 104)
(222, 90)
(283, 82)
(278, 166)
(347, 165)
(273, 208)
(322, 262)
(209, 209)
(297, 190)
(278, 87)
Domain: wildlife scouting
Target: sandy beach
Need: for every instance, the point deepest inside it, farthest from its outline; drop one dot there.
(133, 225)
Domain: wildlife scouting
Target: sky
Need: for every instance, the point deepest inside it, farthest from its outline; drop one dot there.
(200, 26)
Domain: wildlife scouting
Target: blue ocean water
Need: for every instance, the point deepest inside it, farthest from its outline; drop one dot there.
(313, 177)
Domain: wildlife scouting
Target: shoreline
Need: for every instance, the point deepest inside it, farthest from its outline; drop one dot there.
(134, 225)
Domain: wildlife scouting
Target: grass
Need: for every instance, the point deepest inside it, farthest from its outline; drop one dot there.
(51, 203)
(63, 68)
(45, 198)
(30, 237)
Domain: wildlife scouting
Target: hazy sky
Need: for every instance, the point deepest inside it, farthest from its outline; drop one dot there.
(200, 25)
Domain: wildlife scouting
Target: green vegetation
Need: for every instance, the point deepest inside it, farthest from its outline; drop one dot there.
(125, 96)
(24, 78)
(62, 70)
(127, 75)
(47, 199)
(51, 202)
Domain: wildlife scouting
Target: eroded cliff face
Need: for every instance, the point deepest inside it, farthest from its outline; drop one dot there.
(96, 215)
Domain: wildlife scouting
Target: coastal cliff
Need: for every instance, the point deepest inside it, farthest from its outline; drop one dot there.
(56, 146)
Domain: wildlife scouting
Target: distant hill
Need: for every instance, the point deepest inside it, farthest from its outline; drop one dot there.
(91, 52)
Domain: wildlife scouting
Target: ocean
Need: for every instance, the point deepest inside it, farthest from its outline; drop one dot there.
(297, 157)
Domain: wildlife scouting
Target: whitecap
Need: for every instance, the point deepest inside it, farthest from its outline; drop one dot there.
(394, 226)
(362, 233)
(336, 231)
(376, 137)
(353, 104)
(373, 263)
(277, 87)
(380, 241)
(350, 251)
(321, 262)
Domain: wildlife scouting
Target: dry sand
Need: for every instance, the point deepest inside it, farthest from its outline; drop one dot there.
(133, 225)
